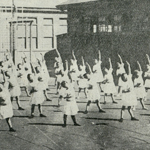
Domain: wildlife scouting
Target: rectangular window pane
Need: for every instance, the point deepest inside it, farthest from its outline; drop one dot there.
(47, 21)
(21, 31)
(48, 43)
(47, 31)
(21, 43)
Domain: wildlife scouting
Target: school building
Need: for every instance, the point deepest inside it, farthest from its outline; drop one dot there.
(30, 27)
(112, 26)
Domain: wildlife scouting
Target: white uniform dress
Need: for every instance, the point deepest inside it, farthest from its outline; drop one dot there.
(98, 75)
(38, 96)
(147, 81)
(14, 87)
(6, 111)
(128, 98)
(74, 71)
(119, 72)
(140, 90)
(93, 92)
(22, 79)
(109, 86)
(69, 107)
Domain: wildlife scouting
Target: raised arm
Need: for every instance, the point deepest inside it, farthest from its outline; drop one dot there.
(66, 62)
(110, 64)
(32, 67)
(74, 57)
(89, 67)
(129, 67)
(83, 62)
(140, 68)
(120, 59)
(99, 55)
(42, 57)
(147, 56)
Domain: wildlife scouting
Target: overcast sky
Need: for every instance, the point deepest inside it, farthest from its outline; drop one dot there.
(32, 3)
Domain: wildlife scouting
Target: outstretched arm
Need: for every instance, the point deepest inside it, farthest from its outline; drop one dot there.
(42, 57)
(139, 66)
(129, 67)
(110, 64)
(147, 56)
(74, 57)
(32, 67)
(120, 59)
(99, 55)
(83, 62)
(66, 65)
(89, 68)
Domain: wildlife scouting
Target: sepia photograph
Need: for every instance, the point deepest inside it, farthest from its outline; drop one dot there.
(74, 75)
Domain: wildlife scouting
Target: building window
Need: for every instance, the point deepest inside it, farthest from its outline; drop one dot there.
(48, 33)
(117, 23)
(63, 25)
(104, 25)
(23, 33)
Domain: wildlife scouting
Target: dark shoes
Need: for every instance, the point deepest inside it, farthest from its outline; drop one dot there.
(114, 102)
(48, 99)
(121, 120)
(76, 124)
(41, 115)
(134, 119)
(12, 130)
(20, 108)
(101, 111)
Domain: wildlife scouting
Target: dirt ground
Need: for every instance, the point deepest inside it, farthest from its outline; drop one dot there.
(98, 131)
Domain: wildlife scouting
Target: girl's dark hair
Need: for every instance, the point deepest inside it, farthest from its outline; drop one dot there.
(18, 65)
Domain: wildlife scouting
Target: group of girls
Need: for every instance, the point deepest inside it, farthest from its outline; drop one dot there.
(92, 81)
(33, 77)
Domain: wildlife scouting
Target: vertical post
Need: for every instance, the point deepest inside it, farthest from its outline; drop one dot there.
(30, 41)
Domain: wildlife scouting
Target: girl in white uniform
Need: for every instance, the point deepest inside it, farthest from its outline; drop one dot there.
(74, 71)
(128, 95)
(58, 65)
(14, 88)
(108, 85)
(82, 81)
(97, 71)
(93, 93)
(120, 70)
(147, 75)
(37, 94)
(70, 108)
(139, 86)
(22, 77)
(6, 110)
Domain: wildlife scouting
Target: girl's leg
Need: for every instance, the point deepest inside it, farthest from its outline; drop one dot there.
(40, 110)
(26, 89)
(10, 125)
(65, 120)
(32, 110)
(18, 103)
(105, 98)
(58, 86)
(87, 106)
(79, 92)
(74, 120)
(119, 90)
(85, 92)
(142, 103)
(46, 95)
(113, 100)
(99, 106)
(11, 98)
(122, 113)
(100, 87)
(131, 114)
